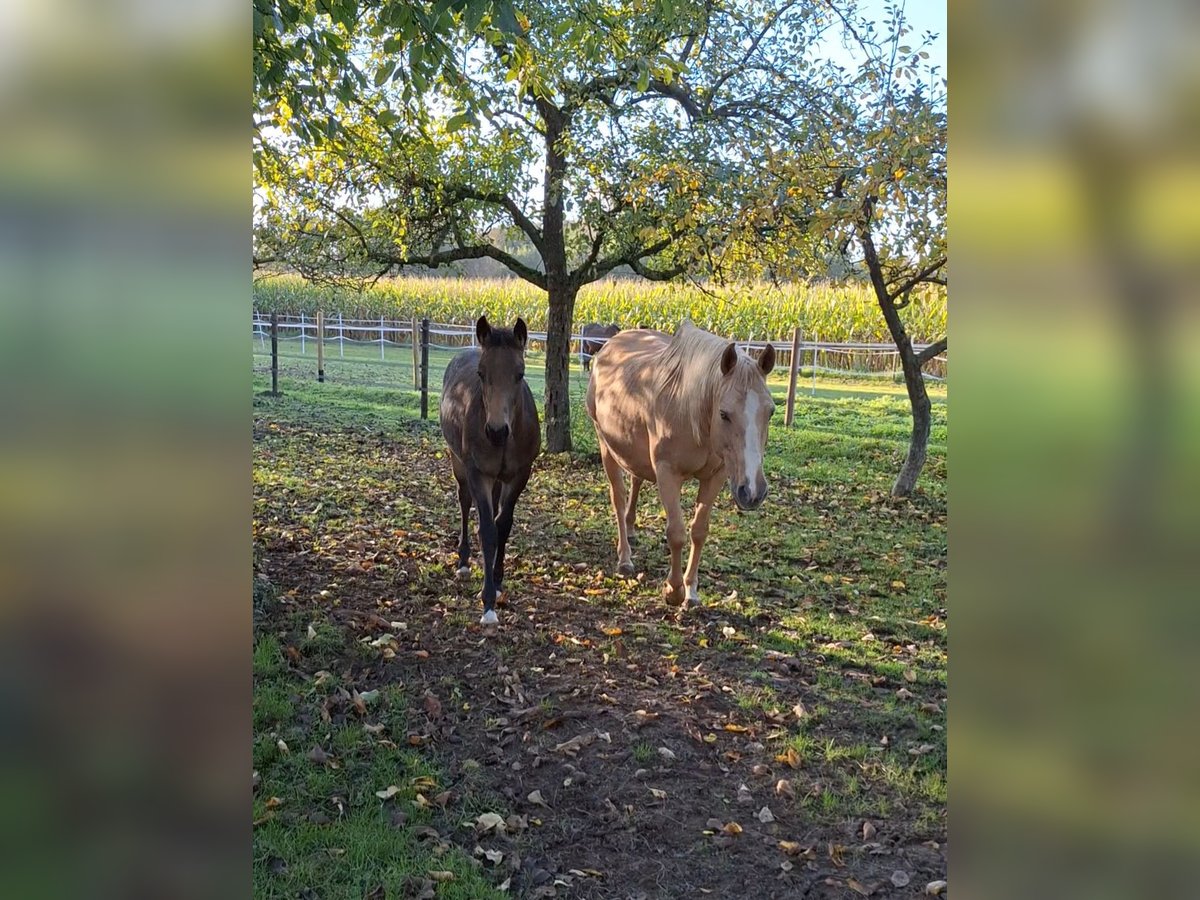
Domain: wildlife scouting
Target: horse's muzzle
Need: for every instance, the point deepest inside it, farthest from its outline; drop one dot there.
(496, 435)
(745, 497)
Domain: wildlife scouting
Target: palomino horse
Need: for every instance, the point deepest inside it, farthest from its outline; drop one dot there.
(670, 409)
(491, 427)
(588, 349)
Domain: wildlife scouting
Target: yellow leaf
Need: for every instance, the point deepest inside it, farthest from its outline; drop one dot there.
(441, 876)
(710, 738)
(791, 758)
(738, 728)
(732, 828)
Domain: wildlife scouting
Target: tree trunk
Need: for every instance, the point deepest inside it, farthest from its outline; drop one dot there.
(558, 360)
(918, 397)
(560, 287)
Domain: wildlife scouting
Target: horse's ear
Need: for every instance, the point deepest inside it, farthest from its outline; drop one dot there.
(520, 332)
(766, 360)
(729, 359)
(482, 330)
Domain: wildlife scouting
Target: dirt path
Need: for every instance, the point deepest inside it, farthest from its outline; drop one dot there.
(618, 741)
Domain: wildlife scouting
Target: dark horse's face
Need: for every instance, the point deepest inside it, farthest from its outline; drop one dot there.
(501, 371)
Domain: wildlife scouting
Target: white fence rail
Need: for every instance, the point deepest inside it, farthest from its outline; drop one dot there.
(826, 357)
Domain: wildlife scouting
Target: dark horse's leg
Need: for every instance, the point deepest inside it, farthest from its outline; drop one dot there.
(481, 491)
(508, 504)
(464, 535)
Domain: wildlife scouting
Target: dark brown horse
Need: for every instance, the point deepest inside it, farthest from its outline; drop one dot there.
(491, 427)
(588, 349)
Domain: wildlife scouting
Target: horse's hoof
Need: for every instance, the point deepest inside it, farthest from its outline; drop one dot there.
(462, 572)
(674, 595)
(625, 570)
(490, 618)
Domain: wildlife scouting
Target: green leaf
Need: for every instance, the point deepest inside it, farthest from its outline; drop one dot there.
(473, 15)
(383, 73)
(505, 18)
(458, 121)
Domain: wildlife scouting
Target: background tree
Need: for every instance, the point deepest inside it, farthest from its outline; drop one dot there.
(618, 134)
(871, 187)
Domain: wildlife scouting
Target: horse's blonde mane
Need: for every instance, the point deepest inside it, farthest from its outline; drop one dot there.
(690, 375)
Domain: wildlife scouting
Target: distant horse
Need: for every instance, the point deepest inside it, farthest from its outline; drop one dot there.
(668, 409)
(588, 349)
(491, 427)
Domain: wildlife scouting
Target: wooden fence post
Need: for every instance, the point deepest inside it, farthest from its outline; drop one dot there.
(424, 368)
(794, 370)
(320, 346)
(416, 355)
(275, 354)
(816, 341)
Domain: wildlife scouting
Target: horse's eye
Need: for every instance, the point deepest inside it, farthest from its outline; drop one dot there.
(725, 415)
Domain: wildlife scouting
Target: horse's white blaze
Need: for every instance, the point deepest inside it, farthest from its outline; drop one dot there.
(490, 618)
(753, 450)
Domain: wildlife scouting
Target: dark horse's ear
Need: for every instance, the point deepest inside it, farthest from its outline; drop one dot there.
(766, 360)
(482, 330)
(520, 332)
(729, 359)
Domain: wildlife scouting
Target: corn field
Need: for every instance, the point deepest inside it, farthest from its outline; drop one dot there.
(845, 312)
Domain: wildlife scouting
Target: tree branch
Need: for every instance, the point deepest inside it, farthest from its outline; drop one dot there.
(923, 276)
(656, 274)
(519, 218)
(455, 254)
(934, 349)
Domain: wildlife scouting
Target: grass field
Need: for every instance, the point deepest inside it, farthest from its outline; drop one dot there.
(784, 737)
(831, 312)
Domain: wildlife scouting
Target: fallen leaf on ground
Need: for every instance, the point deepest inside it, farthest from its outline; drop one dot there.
(490, 822)
(575, 744)
(273, 802)
(783, 787)
(536, 797)
(666, 753)
(868, 831)
(732, 828)
(441, 876)
(765, 815)
(858, 887)
(433, 706)
(789, 758)
(935, 888)
(661, 795)
(739, 729)
(388, 792)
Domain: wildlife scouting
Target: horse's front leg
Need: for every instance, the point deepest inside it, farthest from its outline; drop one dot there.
(669, 487)
(464, 534)
(504, 520)
(481, 491)
(709, 488)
